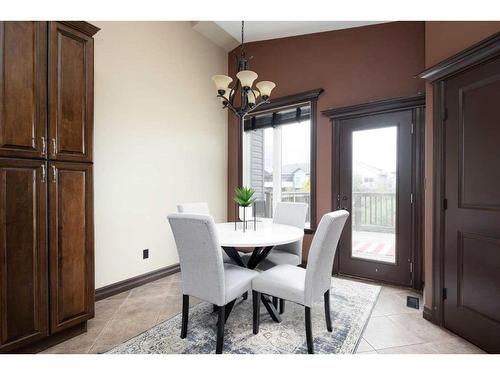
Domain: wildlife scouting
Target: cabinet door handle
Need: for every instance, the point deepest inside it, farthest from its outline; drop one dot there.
(44, 146)
(54, 147)
(54, 174)
(44, 173)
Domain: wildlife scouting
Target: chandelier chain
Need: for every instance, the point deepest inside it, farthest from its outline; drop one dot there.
(242, 34)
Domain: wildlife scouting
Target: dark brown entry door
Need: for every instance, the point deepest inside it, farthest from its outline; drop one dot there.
(472, 217)
(375, 186)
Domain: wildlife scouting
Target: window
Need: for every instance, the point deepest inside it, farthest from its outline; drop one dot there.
(277, 159)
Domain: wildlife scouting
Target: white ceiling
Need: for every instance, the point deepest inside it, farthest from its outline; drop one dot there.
(263, 30)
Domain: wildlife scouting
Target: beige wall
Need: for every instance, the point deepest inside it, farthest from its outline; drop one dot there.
(160, 139)
(442, 40)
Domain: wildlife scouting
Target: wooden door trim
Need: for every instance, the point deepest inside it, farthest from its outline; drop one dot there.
(416, 104)
(437, 75)
(376, 107)
(476, 54)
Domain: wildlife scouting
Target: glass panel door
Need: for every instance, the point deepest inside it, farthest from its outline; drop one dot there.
(374, 183)
(374, 205)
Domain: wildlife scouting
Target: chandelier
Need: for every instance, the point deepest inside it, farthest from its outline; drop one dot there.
(244, 81)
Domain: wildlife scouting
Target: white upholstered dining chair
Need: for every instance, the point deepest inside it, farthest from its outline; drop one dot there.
(294, 214)
(304, 286)
(200, 208)
(287, 213)
(204, 275)
(194, 208)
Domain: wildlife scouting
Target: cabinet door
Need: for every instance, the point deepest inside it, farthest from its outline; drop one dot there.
(23, 253)
(23, 87)
(70, 94)
(71, 239)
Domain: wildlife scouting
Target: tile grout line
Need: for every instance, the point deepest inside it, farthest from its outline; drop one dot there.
(399, 346)
(109, 321)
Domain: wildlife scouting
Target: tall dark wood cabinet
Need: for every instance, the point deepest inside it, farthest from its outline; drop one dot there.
(46, 185)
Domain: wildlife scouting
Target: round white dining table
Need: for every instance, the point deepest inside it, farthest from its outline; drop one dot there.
(266, 234)
(260, 242)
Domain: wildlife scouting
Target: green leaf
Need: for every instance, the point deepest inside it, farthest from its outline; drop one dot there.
(244, 196)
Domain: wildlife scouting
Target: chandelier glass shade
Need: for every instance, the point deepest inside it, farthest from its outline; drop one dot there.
(243, 84)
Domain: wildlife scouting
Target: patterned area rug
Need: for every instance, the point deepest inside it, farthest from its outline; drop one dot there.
(351, 305)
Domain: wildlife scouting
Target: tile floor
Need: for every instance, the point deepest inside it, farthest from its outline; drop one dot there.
(392, 328)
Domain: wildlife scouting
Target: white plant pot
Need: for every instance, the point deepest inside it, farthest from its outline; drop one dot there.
(246, 213)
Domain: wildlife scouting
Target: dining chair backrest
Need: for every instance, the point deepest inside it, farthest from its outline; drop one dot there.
(290, 213)
(200, 256)
(322, 253)
(194, 208)
(294, 214)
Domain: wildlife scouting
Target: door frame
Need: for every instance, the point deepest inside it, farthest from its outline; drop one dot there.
(417, 105)
(437, 75)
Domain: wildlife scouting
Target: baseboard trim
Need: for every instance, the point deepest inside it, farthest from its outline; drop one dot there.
(134, 282)
(428, 314)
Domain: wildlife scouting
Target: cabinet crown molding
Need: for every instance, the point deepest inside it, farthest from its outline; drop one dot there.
(82, 26)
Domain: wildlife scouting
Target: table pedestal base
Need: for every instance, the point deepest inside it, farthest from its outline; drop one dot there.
(258, 255)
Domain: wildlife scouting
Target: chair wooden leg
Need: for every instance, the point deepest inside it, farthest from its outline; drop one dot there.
(275, 302)
(256, 311)
(282, 305)
(309, 338)
(327, 311)
(229, 308)
(220, 329)
(185, 313)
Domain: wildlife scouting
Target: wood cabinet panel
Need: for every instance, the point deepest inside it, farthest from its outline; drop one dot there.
(70, 94)
(23, 252)
(46, 188)
(23, 86)
(71, 231)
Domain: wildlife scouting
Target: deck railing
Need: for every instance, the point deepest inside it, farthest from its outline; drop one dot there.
(374, 212)
(371, 212)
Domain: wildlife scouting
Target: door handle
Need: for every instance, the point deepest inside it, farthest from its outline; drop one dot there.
(54, 147)
(44, 146)
(340, 200)
(44, 173)
(54, 174)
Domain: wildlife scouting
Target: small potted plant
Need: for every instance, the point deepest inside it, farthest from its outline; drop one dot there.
(244, 198)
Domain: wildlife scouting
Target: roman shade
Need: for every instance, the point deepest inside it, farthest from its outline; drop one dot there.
(283, 116)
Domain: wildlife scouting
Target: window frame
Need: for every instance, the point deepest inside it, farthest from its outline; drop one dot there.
(293, 101)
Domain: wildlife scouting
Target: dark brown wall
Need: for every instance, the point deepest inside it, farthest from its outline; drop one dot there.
(442, 40)
(353, 66)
